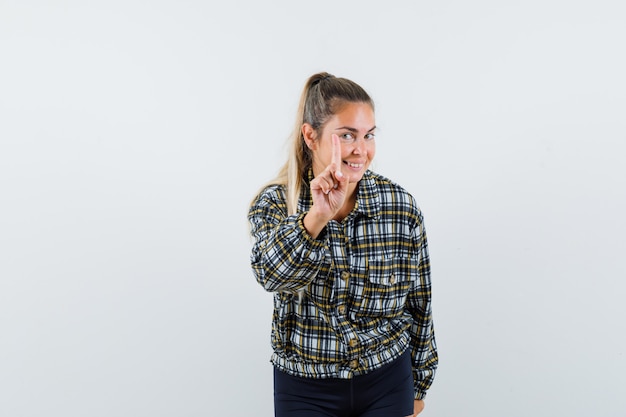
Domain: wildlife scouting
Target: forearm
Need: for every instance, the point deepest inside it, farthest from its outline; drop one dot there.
(424, 375)
(314, 223)
(425, 358)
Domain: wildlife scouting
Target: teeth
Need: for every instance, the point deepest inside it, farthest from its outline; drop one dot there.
(354, 165)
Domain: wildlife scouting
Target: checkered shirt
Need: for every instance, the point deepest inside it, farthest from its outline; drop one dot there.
(364, 283)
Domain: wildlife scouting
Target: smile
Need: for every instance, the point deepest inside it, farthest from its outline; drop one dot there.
(353, 165)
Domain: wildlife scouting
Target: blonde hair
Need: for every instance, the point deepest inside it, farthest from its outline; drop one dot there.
(322, 97)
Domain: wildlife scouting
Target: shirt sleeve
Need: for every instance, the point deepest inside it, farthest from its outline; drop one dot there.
(284, 256)
(423, 345)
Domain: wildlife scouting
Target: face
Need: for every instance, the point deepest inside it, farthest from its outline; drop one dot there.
(355, 125)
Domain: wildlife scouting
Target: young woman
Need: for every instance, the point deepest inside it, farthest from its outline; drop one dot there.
(344, 251)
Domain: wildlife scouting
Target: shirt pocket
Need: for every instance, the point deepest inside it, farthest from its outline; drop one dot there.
(387, 285)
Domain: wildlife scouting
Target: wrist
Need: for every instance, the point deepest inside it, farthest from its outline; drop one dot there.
(314, 223)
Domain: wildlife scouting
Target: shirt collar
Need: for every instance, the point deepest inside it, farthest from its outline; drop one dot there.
(367, 198)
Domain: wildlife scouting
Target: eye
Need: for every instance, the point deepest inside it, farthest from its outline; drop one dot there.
(347, 137)
(370, 136)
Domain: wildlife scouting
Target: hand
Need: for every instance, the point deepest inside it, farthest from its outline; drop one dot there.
(418, 406)
(329, 190)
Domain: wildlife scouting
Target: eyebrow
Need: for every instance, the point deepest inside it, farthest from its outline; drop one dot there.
(351, 129)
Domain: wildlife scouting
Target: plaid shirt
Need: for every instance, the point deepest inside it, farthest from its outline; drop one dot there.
(366, 282)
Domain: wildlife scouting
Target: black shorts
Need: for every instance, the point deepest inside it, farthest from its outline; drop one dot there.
(385, 392)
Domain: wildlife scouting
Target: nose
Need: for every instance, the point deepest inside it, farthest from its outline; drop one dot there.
(358, 146)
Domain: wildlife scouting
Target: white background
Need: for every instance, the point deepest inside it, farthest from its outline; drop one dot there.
(134, 133)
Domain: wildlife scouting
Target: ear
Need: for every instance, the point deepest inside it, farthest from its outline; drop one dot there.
(309, 136)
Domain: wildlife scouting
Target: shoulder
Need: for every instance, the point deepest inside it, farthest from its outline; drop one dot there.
(271, 196)
(381, 180)
(394, 200)
(391, 190)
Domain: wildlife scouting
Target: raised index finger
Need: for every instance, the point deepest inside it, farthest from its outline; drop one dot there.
(336, 157)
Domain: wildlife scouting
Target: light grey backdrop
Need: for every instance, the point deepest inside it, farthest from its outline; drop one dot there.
(133, 134)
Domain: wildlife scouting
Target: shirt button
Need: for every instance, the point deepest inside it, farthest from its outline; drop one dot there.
(345, 275)
(342, 309)
(354, 364)
(353, 342)
(392, 279)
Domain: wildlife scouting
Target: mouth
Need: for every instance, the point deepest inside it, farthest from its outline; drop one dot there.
(354, 165)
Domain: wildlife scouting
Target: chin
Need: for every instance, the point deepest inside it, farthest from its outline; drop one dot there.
(355, 178)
